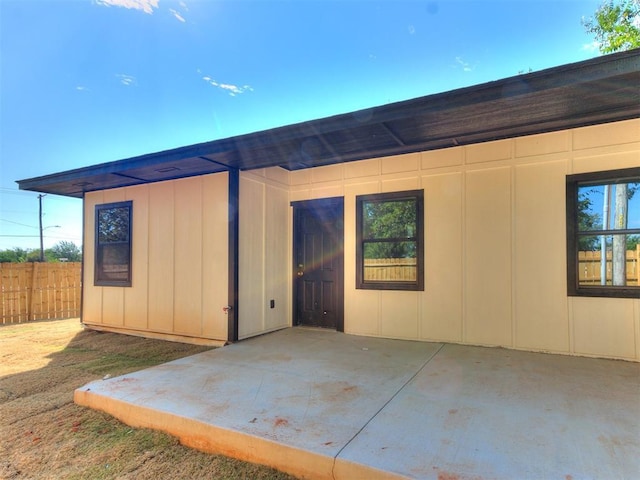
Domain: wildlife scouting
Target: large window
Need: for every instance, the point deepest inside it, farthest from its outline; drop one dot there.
(113, 244)
(389, 241)
(603, 233)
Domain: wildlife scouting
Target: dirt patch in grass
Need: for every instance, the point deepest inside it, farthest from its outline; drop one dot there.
(43, 434)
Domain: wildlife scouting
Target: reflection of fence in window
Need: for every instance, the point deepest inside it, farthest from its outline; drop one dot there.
(589, 267)
(115, 261)
(390, 269)
(116, 272)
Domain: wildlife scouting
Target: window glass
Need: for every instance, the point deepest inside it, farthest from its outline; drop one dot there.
(389, 241)
(389, 219)
(604, 233)
(113, 244)
(607, 206)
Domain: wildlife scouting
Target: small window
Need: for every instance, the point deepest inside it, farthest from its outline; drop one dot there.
(603, 233)
(389, 241)
(113, 244)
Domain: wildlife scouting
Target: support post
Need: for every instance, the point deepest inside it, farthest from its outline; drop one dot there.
(234, 216)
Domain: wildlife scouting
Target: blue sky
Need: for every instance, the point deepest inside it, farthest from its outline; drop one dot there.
(90, 81)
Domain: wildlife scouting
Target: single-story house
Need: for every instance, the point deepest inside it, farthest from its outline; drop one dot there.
(474, 216)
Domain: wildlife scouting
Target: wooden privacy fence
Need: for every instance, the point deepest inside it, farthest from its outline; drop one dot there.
(589, 267)
(404, 269)
(397, 269)
(39, 291)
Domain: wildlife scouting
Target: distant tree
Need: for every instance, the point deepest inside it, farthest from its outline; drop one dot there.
(632, 242)
(33, 256)
(14, 255)
(64, 250)
(616, 25)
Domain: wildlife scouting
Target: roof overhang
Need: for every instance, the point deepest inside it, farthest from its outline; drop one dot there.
(604, 89)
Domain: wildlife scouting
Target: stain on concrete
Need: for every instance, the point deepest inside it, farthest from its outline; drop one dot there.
(280, 422)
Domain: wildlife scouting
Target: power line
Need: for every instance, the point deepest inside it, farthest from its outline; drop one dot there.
(17, 223)
(11, 191)
(38, 236)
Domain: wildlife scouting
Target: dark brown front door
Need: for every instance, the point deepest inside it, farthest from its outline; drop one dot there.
(318, 263)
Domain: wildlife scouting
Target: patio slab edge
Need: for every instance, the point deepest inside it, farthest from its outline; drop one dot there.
(217, 440)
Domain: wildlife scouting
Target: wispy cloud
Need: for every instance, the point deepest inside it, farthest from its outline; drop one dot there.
(180, 12)
(146, 6)
(177, 15)
(82, 88)
(231, 89)
(412, 30)
(466, 66)
(127, 80)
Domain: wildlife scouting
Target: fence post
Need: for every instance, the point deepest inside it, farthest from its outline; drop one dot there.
(32, 291)
(638, 262)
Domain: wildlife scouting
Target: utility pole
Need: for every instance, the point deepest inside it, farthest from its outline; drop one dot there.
(40, 217)
(603, 238)
(619, 256)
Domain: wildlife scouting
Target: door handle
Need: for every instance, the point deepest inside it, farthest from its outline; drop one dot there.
(300, 273)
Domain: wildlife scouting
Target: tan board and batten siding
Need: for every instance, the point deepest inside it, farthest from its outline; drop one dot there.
(264, 252)
(495, 248)
(179, 256)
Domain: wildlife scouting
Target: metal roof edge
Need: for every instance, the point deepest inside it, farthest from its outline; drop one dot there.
(601, 67)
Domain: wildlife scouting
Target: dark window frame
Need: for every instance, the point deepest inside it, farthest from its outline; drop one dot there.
(573, 183)
(99, 274)
(418, 283)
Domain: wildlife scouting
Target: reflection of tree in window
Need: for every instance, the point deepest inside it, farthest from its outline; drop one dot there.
(113, 225)
(587, 220)
(389, 229)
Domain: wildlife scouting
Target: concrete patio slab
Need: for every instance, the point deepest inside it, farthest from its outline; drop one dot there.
(321, 404)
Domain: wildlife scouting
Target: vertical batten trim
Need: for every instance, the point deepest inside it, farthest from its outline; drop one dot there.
(147, 192)
(263, 311)
(514, 248)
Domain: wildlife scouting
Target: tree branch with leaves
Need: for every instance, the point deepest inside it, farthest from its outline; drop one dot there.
(615, 25)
